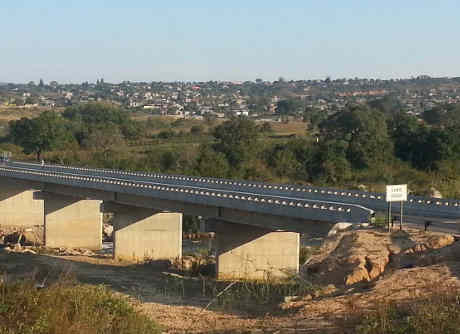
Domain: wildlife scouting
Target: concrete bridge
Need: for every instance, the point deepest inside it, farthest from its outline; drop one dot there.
(257, 224)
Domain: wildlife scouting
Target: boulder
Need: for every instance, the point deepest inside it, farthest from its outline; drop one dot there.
(434, 193)
(338, 228)
(107, 232)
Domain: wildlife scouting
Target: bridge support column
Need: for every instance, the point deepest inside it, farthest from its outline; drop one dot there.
(249, 252)
(18, 205)
(144, 234)
(72, 222)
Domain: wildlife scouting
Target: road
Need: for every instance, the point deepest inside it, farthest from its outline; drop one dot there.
(420, 208)
(436, 224)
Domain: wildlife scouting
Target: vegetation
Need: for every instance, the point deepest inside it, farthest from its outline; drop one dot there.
(372, 144)
(67, 307)
(439, 313)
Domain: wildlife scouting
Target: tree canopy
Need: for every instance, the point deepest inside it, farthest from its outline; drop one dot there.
(44, 133)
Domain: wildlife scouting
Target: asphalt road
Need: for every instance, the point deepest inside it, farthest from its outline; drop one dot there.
(436, 224)
(420, 208)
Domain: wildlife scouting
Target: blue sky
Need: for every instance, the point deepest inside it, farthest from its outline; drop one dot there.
(148, 40)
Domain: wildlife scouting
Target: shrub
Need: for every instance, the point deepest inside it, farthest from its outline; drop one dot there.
(439, 313)
(67, 307)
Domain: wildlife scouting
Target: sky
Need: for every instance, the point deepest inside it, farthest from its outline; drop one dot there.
(201, 40)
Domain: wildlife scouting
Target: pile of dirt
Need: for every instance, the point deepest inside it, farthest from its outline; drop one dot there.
(356, 256)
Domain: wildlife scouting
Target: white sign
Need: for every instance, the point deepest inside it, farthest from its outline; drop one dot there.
(397, 193)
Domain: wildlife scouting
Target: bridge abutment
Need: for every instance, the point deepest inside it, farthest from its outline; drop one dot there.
(145, 234)
(72, 222)
(249, 252)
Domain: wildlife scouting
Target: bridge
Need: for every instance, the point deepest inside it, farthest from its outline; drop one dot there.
(257, 224)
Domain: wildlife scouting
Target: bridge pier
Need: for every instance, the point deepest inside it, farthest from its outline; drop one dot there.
(145, 234)
(249, 252)
(18, 205)
(72, 222)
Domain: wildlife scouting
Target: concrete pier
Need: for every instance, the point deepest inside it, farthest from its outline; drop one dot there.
(249, 252)
(142, 234)
(72, 222)
(18, 205)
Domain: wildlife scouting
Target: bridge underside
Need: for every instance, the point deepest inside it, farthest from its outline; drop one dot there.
(249, 245)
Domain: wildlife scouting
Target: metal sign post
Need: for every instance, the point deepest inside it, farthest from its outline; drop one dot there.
(396, 193)
(389, 216)
(401, 216)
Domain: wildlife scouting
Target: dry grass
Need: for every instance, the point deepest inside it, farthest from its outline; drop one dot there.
(437, 313)
(293, 127)
(67, 307)
(15, 113)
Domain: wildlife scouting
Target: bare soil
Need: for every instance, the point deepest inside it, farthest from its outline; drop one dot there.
(178, 304)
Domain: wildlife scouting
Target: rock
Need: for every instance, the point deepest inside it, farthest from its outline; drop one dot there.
(362, 187)
(440, 241)
(338, 228)
(107, 232)
(75, 252)
(435, 193)
(290, 299)
(329, 290)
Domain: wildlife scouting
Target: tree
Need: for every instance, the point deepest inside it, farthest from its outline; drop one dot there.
(237, 139)
(289, 106)
(389, 104)
(365, 132)
(211, 163)
(44, 133)
(104, 138)
(433, 116)
(284, 163)
(330, 162)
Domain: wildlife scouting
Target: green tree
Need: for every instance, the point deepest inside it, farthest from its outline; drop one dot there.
(289, 106)
(284, 163)
(330, 162)
(44, 133)
(211, 163)
(365, 132)
(236, 139)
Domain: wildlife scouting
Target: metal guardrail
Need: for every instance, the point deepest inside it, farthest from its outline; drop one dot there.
(415, 205)
(148, 185)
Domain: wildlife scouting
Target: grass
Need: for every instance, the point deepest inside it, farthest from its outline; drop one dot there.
(67, 307)
(258, 297)
(437, 313)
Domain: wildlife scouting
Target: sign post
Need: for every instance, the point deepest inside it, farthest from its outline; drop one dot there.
(396, 193)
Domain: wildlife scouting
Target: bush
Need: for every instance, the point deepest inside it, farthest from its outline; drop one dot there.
(66, 307)
(439, 313)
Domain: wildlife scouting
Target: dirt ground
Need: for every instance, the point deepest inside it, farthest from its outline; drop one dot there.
(177, 302)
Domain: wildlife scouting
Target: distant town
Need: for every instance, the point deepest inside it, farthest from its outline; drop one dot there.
(256, 99)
